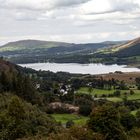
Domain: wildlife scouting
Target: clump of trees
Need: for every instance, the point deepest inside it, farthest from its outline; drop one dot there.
(101, 83)
(106, 120)
(20, 119)
(114, 122)
(76, 133)
(17, 83)
(138, 83)
(85, 103)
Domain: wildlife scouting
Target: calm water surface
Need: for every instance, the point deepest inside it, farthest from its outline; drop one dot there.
(80, 68)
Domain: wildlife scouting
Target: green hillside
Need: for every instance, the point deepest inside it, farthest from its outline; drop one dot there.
(30, 44)
(27, 51)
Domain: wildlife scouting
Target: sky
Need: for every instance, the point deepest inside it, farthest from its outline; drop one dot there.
(74, 21)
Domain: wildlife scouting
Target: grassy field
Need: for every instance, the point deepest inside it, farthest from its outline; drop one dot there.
(135, 96)
(100, 92)
(85, 90)
(63, 118)
(115, 99)
(135, 111)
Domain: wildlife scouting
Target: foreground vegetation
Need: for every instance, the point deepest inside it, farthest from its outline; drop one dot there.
(40, 105)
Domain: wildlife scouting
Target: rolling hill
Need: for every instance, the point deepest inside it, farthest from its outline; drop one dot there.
(27, 51)
(109, 52)
(30, 45)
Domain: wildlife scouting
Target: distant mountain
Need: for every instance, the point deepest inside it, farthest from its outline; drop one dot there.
(115, 42)
(26, 45)
(26, 51)
(33, 51)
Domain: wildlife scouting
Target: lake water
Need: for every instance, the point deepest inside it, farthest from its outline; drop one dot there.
(80, 68)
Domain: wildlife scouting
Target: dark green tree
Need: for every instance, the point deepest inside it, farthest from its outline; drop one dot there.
(69, 124)
(106, 120)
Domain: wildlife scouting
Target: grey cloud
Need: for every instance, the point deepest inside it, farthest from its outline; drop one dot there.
(39, 4)
(63, 20)
(34, 9)
(124, 5)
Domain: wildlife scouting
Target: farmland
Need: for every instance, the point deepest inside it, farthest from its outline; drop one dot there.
(101, 93)
(129, 78)
(63, 118)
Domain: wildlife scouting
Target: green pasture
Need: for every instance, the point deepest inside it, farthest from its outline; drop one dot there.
(100, 92)
(134, 112)
(63, 118)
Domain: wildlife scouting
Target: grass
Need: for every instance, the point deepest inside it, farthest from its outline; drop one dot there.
(135, 96)
(114, 99)
(18, 48)
(95, 91)
(63, 118)
(134, 112)
(100, 92)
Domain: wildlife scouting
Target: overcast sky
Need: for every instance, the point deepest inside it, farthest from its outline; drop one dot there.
(77, 21)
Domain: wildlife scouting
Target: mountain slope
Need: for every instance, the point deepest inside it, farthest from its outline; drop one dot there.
(129, 49)
(128, 53)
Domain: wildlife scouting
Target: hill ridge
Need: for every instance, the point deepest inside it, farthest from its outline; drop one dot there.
(128, 44)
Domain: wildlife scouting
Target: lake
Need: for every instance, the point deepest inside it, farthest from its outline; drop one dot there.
(80, 68)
